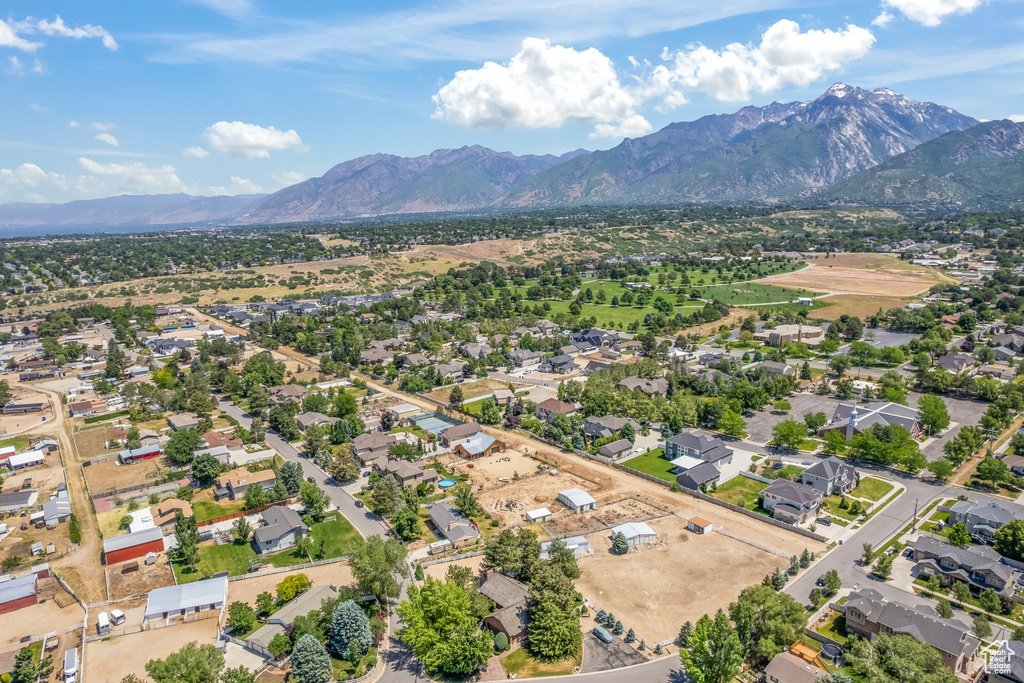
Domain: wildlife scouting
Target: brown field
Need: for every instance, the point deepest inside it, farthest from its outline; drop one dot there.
(487, 472)
(612, 513)
(654, 590)
(111, 659)
(337, 574)
(141, 582)
(105, 476)
(39, 619)
(473, 389)
(93, 442)
(859, 305)
(19, 543)
(44, 478)
(439, 570)
(530, 493)
(870, 274)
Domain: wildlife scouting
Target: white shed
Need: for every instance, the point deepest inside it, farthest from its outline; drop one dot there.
(698, 525)
(539, 515)
(26, 459)
(636, 533)
(577, 500)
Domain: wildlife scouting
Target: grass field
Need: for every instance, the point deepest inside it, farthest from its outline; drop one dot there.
(616, 316)
(872, 489)
(836, 511)
(211, 509)
(653, 463)
(520, 664)
(336, 532)
(742, 491)
(753, 293)
(20, 443)
(835, 628)
(344, 669)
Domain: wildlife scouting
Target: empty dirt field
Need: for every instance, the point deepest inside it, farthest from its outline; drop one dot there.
(337, 574)
(618, 512)
(111, 659)
(488, 472)
(41, 618)
(682, 577)
(871, 274)
(93, 442)
(510, 502)
(473, 389)
(860, 305)
(44, 478)
(140, 582)
(438, 571)
(110, 475)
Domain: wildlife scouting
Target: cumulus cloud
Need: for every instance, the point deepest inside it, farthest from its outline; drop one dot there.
(237, 186)
(109, 139)
(57, 27)
(785, 56)
(288, 178)
(16, 66)
(73, 124)
(932, 12)
(882, 20)
(543, 86)
(249, 141)
(1016, 118)
(197, 152)
(9, 37)
(30, 182)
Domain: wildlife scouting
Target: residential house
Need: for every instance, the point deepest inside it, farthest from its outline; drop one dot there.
(461, 433)
(831, 476)
(172, 602)
(455, 526)
(868, 614)
(166, 512)
(480, 445)
(234, 484)
(698, 477)
(449, 370)
(548, 408)
(512, 617)
(714, 360)
(697, 445)
(956, 363)
(651, 387)
(407, 473)
(412, 360)
(503, 397)
(525, 358)
(791, 502)
(80, 409)
(475, 350)
(370, 446)
(213, 439)
(851, 419)
(313, 418)
(1012, 340)
(285, 394)
(982, 519)
(616, 449)
(595, 336)
(560, 365)
(183, 421)
(375, 357)
(609, 425)
(775, 368)
(279, 622)
(980, 567)
(1003, 373)
(280, 530)
(1015, 463)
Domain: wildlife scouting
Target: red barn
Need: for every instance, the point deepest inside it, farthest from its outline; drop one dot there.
(136, 454)
(17, 593)
(122, 548)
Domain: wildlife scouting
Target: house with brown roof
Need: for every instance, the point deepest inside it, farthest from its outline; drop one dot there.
(182, 421)
(214, 439)
(459, 434)
(370, 446)
(235, 483)
(407, 473)
(547, 409)
(165, 513)
(288, 393)
(510, 595)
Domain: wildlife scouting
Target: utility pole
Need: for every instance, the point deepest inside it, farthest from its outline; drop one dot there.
(913, 522)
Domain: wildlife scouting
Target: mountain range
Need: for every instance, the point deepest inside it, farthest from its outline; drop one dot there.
(848, 146)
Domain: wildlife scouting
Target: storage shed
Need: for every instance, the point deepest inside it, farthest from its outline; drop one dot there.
(636, 533)
(17, 593)
(26, 459)
(698, 525)
(132, 546)
(173, 602)
(577, 500)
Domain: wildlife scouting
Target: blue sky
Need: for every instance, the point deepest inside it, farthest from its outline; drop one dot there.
(232, 96)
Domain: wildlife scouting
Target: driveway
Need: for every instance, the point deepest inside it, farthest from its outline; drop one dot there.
(598, 656)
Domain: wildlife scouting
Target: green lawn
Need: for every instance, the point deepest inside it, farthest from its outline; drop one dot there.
(344, 670)
(835, 628)
(753, 293)
(741, 491)
(872, 489)
(210, 509)
(336, 531)
(652, 463)
(791, 472)
(618, 316)
(20, 443)
(521, 665)
(836, 511)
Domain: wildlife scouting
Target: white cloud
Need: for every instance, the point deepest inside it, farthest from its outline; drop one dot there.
(73, 124)
(1016, 118)
(109, 139)
(197, 152)
(16, 67)
(57, 27)
(632, 127)
(882, 20)
(249, 141)
(96, 125)
(785, 57)
(30, 182)
(37, 67)
(543, 86)
(932, 12)
(9, 37)
(288, 178)
(237, 186)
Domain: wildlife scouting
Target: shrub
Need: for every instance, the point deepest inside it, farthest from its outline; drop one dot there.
(501, 642)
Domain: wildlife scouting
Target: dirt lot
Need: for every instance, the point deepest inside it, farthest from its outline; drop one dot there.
(487, 472)
(44, 477)
(614, 513)
(657, 601)
(873, 274)
(39, 619)
(246, 591)
(439, 570)
(106, 476)
(110, 660)
(19, 542)
(530, 493)
(93, 442)
(859, 305)
(474, 389)
(141, 582)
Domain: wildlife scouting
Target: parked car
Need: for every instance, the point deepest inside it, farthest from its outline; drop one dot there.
(778, 466)
(824, 521)
(311, 480)
(359, 503)
(602, 634)
(820, 581)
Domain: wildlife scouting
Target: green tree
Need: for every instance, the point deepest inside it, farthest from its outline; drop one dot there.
(958, 535)
(1009, 540)
(564, 559)
(732, 424)
(455, 397)
(187, 535)
(867, 554)
(310, 661)
(961, 592)
(933, 412)
(789, 434)
(205, 469)
(944, 609)
(489, 413)
(314, 499)
(291, 586)
(279, 645)
(239, 674)
(981, 627)
(193, 663)
(715, 653)
(182, 445)
(620, 546)
(989, 600)
(255, 496)
(375, 565)
(816, 597)
(839, 364)
(132, 439)
(832, 582)
(265, 602)
(941, 469)
(815, 421)
(994, 470)
(290, 475)
(835, 442)
(387, 496)
(466, 502)
(554, 633)
(894, 659)
(349, 625)
(441, 629)
(766, 620)
(241, 617)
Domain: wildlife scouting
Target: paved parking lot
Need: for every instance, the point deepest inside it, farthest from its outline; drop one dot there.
(598, 656)
(760, 423)
(961, 412)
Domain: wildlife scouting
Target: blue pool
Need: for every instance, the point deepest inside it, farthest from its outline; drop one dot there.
(446, 483)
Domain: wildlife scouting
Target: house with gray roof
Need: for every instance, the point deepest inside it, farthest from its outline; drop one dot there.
(609, 425)
(791, 502)
(652, 387)
(868, 614)
(1007, 664)
(454, 525)
(282, 527)
(980, 566)
(510, 595)
(524, 358)
(561, 364)
(313, 418)
(851, 419)
(982, 519)
(695, 444)
(616, 449)
(279, 621)
(831, 476)
(699, 477)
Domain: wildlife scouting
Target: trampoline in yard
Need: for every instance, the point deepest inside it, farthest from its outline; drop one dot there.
(434, 423)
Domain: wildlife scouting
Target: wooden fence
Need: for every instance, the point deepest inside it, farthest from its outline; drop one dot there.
(242, 513)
